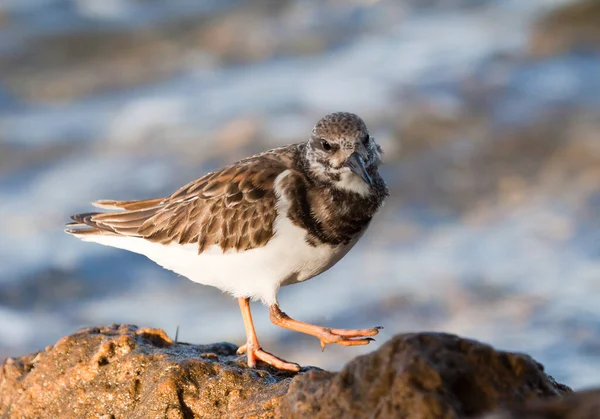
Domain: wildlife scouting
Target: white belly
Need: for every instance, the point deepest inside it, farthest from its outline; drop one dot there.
(256, 273)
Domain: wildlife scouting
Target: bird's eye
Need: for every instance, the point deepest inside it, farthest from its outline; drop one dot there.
(326, 146)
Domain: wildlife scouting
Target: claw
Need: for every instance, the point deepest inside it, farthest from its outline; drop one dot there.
(355, 342)
(344, 341)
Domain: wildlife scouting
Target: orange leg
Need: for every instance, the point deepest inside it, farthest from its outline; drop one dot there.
(326, 335)
(253, 349)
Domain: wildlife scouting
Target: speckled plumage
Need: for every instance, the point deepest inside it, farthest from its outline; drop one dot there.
(273, 219)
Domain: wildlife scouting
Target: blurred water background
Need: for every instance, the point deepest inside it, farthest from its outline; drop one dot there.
(488, 110)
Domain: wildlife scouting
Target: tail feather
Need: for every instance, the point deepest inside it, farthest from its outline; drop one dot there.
(119, 223)
(83, 218)
(84, 224)
(127, 205)
(124, 218)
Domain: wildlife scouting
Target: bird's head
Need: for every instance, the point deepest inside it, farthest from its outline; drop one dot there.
(341, 152)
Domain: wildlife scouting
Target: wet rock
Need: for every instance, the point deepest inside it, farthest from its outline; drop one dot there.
(567, 28)
(123, 371)
(421, 375)
(581, 405)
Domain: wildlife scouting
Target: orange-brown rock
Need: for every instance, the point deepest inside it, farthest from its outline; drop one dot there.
(126, 372)
(421, 375)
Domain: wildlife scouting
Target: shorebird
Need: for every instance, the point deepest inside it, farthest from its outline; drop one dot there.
(273, 219)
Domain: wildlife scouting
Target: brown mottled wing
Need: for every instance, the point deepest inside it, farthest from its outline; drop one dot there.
(234, 208)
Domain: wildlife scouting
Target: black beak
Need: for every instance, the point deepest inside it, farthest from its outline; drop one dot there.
(356, 163)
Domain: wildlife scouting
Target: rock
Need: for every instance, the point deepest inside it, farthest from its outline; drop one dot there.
(582, 405)
(123, 371)
(421, 375)
(575, 25)
(126, 372)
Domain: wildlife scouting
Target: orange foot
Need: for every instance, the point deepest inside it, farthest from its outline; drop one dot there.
(268, 358)
(344, 337)
(326, 335)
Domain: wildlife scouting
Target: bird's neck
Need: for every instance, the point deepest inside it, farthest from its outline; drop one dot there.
(337, 215)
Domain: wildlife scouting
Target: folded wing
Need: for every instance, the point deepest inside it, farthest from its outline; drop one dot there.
(234, 208)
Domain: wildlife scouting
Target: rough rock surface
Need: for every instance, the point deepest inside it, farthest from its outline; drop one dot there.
(421, 375)
(582, 405)
(126, 372)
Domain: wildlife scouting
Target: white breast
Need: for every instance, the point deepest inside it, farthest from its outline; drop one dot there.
(351, 182)
(257, 273)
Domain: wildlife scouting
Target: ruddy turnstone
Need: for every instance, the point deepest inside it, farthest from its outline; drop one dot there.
(273, 219)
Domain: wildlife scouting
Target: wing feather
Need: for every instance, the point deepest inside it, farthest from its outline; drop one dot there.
(127, 205)
(234, 208)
